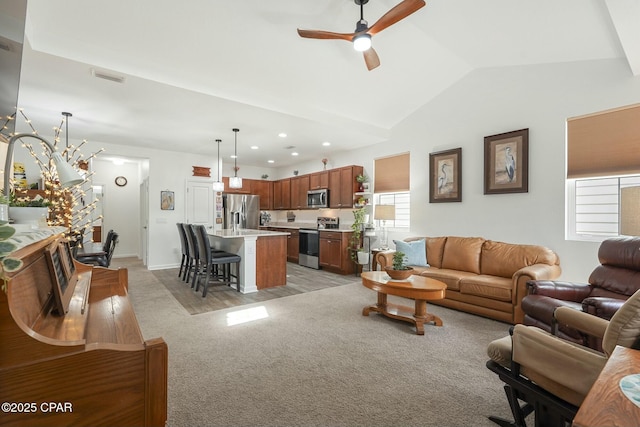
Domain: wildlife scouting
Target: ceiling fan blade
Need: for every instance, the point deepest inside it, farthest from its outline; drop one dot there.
(324, 35)
(371, 58)
(397, 13)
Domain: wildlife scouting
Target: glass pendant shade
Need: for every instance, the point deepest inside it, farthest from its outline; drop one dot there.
(218, 186)
(235, 181)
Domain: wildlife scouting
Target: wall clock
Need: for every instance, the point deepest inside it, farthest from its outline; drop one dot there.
(121, 181)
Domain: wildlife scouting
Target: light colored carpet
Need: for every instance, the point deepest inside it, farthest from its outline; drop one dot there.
(316, 361)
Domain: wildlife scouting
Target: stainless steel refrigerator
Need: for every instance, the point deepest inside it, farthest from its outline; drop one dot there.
(246, 207)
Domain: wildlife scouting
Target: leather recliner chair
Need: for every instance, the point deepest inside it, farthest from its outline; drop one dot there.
(553, 376)
(610, 285)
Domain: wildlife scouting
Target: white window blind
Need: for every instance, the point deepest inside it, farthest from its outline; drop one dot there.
(595, 213)
(402, 202)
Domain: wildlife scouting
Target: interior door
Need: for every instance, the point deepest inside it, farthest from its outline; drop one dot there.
(200, 203)
(144, 220)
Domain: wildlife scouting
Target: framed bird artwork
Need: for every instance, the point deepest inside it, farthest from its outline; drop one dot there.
(506, 162)
(445, 176)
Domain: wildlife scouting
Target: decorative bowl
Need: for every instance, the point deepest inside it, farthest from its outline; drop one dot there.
(398, 274)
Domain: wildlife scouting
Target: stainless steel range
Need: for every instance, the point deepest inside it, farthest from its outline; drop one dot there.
(309, 250)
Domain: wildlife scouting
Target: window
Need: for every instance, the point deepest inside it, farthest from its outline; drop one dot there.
(593, 206)
(602, 158)
(402, 202)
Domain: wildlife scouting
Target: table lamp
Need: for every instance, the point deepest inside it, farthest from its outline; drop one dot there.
(384, 213)
(630, 211)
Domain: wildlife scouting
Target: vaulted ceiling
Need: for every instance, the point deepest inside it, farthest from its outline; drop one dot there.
(194, 70)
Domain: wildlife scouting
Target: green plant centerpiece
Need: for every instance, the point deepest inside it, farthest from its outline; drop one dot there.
(399, 270)
(7, 263)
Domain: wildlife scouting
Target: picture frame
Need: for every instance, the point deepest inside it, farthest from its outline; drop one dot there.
(167, 200)
(445, 176)
(506, 162)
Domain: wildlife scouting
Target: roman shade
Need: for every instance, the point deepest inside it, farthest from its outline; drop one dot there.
(391, 174)
(605, 143)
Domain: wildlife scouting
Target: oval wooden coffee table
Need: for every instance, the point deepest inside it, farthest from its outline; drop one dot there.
(419, 288)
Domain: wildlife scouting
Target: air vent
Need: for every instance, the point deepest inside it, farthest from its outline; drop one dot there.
(107, 76)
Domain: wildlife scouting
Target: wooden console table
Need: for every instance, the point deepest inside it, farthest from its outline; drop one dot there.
(606, 405)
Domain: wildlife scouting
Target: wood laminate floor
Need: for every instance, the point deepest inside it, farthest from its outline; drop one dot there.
(299, 280)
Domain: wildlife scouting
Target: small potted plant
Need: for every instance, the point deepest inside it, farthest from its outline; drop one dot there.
(399, 270)
(361, 179)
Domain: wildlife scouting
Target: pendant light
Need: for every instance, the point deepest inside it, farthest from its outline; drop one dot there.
(235, 181)
(218, 185)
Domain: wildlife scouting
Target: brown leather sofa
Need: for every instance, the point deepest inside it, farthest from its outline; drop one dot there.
(483, 277)
(609, 286)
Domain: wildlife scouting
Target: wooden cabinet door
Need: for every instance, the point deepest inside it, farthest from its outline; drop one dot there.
(346, 186)
(299, 188)
(318, 180)
(295, 190)
(282, 194)
(293, 246)
(334, 188)
(264, 189)
(330, 255)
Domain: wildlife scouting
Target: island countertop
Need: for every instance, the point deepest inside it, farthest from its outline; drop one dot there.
(263, 255)
(228, 233)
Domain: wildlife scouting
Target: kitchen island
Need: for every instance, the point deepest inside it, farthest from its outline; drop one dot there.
(263, 253)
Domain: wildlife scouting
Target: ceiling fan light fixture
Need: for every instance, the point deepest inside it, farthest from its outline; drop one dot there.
(362, 42)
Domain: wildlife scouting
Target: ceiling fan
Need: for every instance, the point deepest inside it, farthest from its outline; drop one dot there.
(361, 37)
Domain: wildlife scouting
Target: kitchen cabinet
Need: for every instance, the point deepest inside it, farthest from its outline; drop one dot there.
(282, 194)
(343, 186)
(334, 252)
(299, 188)
(264, 189)
(293, 242)
(318, 180)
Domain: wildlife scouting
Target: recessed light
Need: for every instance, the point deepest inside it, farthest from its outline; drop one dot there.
(254, 147)
(233, 156)
(326, 143)
(282, 135)
(271, 161)
(294, 153)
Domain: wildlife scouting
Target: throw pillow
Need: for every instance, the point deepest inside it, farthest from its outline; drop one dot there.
(415, 252)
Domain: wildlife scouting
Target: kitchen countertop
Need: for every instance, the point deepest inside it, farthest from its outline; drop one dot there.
(248, 232)
(298, 226)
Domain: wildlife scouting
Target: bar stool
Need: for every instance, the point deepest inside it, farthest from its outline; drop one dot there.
(185, 250)
(214, 265)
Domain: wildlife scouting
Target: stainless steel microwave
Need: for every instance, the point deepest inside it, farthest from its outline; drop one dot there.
(318, 198)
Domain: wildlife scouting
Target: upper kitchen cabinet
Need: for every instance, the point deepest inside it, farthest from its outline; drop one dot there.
(299, 188)
(343, 185)
(319, 180)
(264, 189)
(282, 194)
(245, 189)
